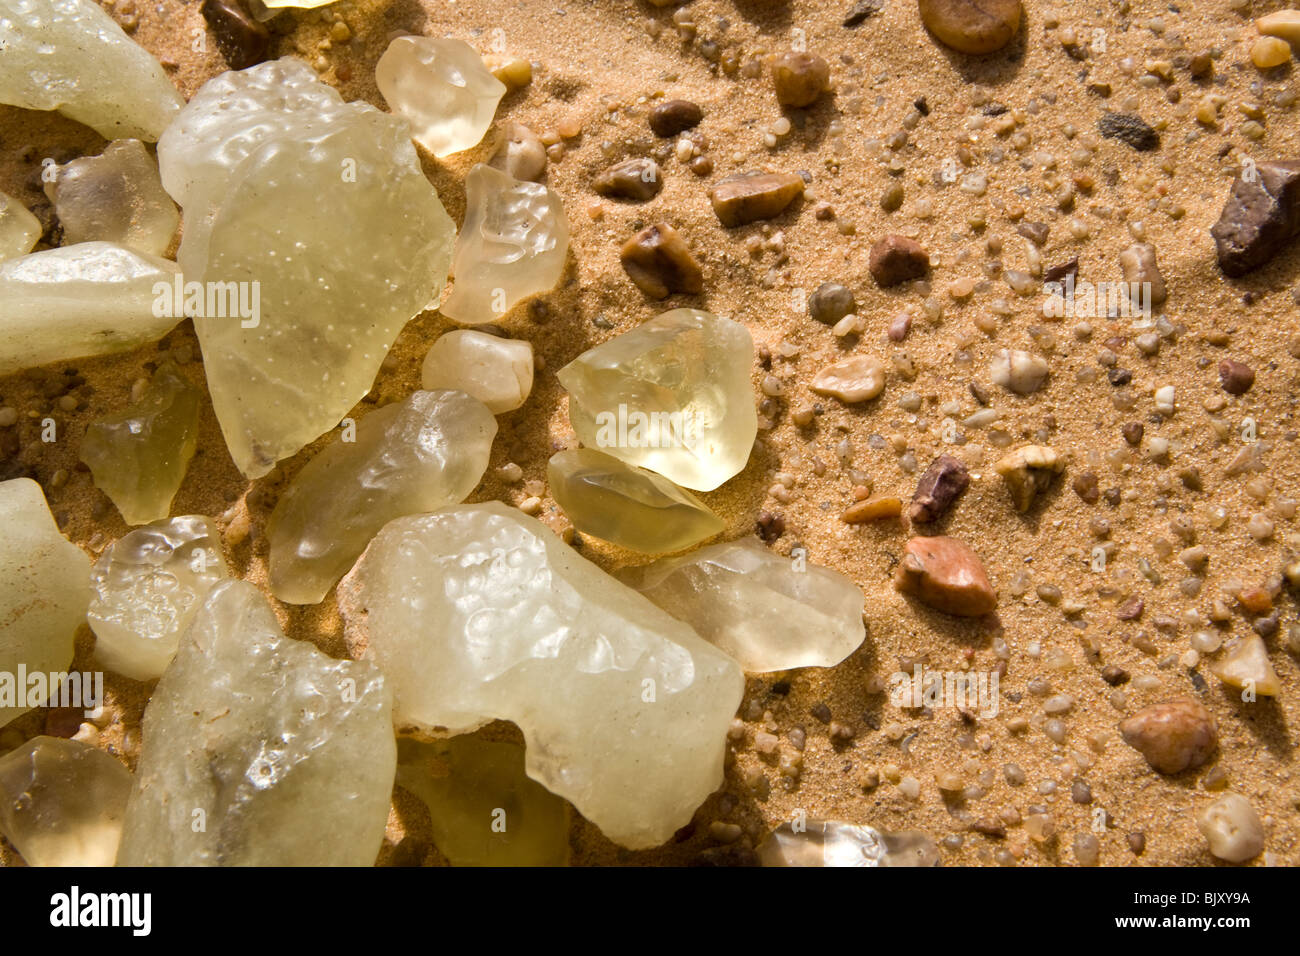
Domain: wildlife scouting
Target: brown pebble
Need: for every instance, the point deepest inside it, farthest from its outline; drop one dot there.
(1133, 433)
(1255, 600)
(659, 263)
(1173, 736)
(946, 574)
(896, 259)
(830, 303)
(1131, 609)
(243, 41)
(770, 526)
(972, 26)
(990, 828)
(1035, 232)
(64, 721)
(1137, 842)
(1235, 377)
(1114, 676)
(940, 486)
(636, 179)
(799, 78)
(1068, 269)
(1260, 216)
(675, 116)
(751, 196)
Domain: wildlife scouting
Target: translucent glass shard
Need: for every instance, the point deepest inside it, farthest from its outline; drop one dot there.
(115, 197)
(62, 802)
(43, 593)
(672, 395)
(495, 370)
(832, 843)
(146, 589)
(442, 87)
(419, 455)
(630, 507)
(481, 612)
(318, 214)
(513, 245)
(138, 456)
(71, 56)
(768, 611)
(93, 298)
(484, 809)
(259, 750)
(19, 229)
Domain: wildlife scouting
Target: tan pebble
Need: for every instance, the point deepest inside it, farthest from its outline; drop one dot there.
(1028, 471)
(1173, 736)
(873, 509)
(1232, 828)
(946, 574)
(1268, 52)
(857, 379)
(972, 26)
(749, 197)
(1248, 669)
(1284, 24)
(799, 78)
(659, 263)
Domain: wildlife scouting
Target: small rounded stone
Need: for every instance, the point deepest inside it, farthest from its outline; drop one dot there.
(830, 303)
(972, 26)
(799, 78)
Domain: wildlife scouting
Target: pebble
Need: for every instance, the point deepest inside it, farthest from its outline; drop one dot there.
(243, 41)
(940, 486)
(1232, 828)
(1130, 129)
(895, 259)
(751, 196)
(635, 179)
(1131, 609)
(857, 379)
(1138, 263)
(972, 26)
(675, 116)
(1173, 736)
(861, 11)
(1017, 371)
(1259, 218)
(1028, 471)
(1113, 675)
(659, 263)
(946, 574)
(830, 303)
(521, 154)
(1235, 377)
(1268, 52)
(1247, 667)
(873, 509)
(1284, 24)
(799, 78)
(1035, 232)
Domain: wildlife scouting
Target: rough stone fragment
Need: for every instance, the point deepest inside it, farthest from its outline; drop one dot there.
(484, 809)
(43, 594)
(1130, 129)
(71, 56)
(628, 506)
(138, 456)
(146, 589)
(831, 302)
(520, 154)
(418, 455)
(442, 87)
(799, 78)
(946, 574)
(861, 11)
(1236, 377)
(1021, 372)
(1248, 668)
(1260, 217)
(1232, 828)
(19, 229)
(940, 486)
(767, 611)
(243, 41)
(896, 259)
(289, 754)
(833, 843)
(659, 263)
(62, 802)
(513, 245)
(328, 285)
(514, 71)
(672, 395)
(116, 197)
(972, 26)
(751, 196)
(1142, 274)
(495, 370)
(675, 116)
(857, 379)
(1029, 471)
(1173, 736)
(480, 612)
(635, 179)
(872, 509)
(93, 298)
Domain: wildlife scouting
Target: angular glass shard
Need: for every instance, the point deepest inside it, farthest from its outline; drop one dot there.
(442, 87)
(62, 802)
(484, 809)
(513, 244)
(329, 284)
(93, 298)
(496, 371)
(832, 843)
(19, 229)
(138, 456)
(71, 56)
(769, 612)
(480, 612)
(285, 755)
(419, 455)
(115, 197)
(43, 593)
(672, 395)
(147, 587)
(630, 507)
